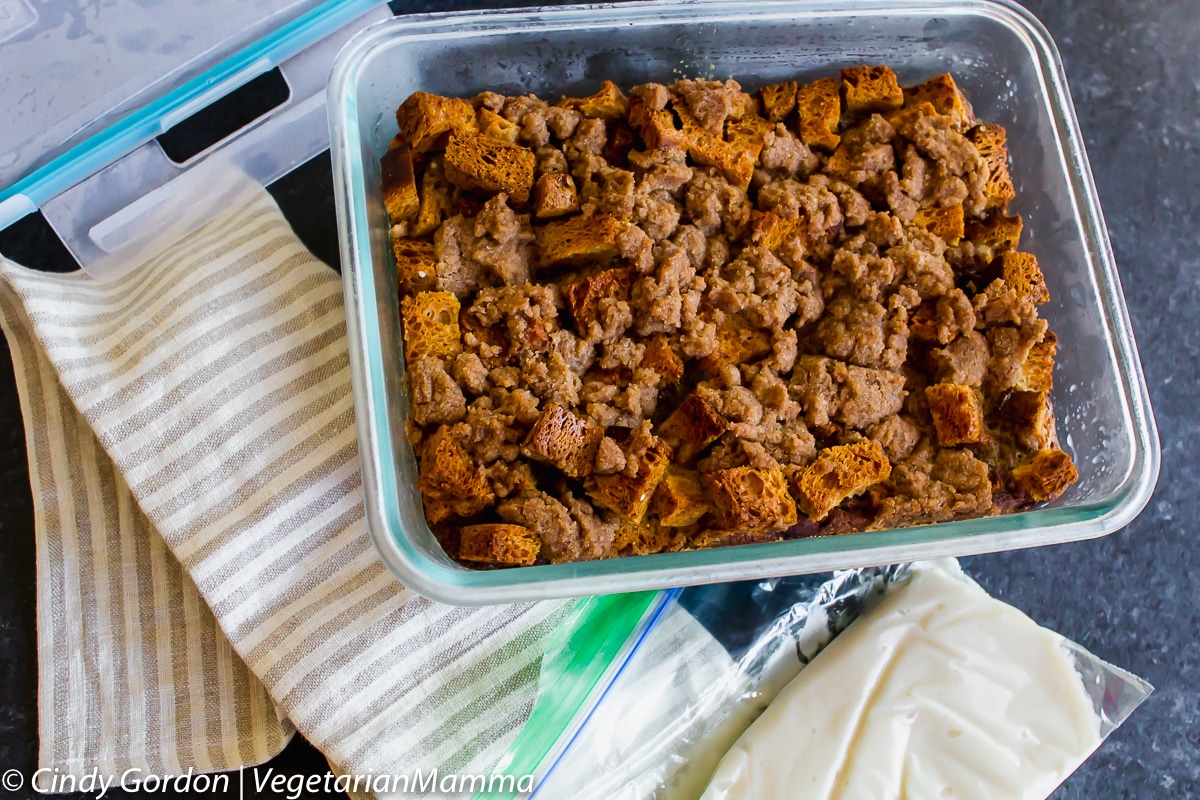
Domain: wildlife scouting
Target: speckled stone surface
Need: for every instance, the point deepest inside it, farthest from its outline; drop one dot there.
(1132, 598)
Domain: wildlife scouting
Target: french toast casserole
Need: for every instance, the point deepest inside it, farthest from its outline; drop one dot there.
(690, 316)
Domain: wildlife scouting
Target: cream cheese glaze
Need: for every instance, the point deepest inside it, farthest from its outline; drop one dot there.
(940, 692)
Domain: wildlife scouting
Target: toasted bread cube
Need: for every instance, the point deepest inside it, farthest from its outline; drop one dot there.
(871, 90)
(430, 326)
(583, 296)
(659, 357)
(607, 103)
(957, 413)
(554, 195)
(436, 511)
(738, 342)
(496, 127)
(820, 109)
(943, 94)
(1023, 275)
(1038, 370)
(481, 164)
(838, 473)
(771, 230)
(1000, 232)
(426, 120)
(416, 265)
(399, 185)
(749, 498)
(451, 481)
(680, 500)
(437, 199)
(630, 497)
(734, 155)
(564, 440)
(645, 537)
(778, 100)
(992, 143)
(1032, 418)
(946, 223)
(576, 241)
(507, 545)
(1047, 475)
(655, 126)
(414, 433)
(692, 427)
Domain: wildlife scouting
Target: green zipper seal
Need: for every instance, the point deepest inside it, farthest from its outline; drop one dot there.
(592, 644)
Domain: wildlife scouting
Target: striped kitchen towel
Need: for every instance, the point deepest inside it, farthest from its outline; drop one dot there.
(201, 547)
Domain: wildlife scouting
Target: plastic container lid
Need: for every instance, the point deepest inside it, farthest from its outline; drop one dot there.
(68, 70)
(107, 189)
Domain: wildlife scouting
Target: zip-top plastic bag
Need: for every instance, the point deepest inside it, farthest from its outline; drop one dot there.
(714, 663)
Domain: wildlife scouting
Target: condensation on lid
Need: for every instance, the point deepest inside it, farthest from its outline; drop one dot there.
(68, 69)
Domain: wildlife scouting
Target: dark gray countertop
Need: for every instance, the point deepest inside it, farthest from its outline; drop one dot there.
(1131, 598)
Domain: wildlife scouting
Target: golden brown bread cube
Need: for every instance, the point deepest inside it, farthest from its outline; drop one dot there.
(564, 440)
(999, 232)
(576, 241)
(992, 143)
(628, 496)
(646, 537)
(480, 164)
(749, 498)
(660, 358)
(692, 427)
(1032, 418)
(655, 126)
(607, 103)
(414, 433)
(1047, 475)
(498, 543)
(583, 296)
(426, 120)
(946, 223)
(778, 100)
(957, 413)
(497, 127)
(735, 154)
(416, 265)
(771, 230)
(680, 499)
(436, 511)
(819, 108)
(839, 473)
(430, 321)
(1038, 369)
(738, 342)
(554, 196)
(944, 95)
(1022, 274)
(871, 89)
(451, 482)
(399, 185)
(437, 199)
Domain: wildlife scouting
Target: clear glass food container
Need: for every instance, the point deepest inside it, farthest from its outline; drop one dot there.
(1011, 72)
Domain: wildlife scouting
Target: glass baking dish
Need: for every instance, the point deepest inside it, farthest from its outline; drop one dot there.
(1010, 70)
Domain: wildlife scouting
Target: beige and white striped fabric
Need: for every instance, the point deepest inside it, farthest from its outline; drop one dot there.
(134, 670)
(204, 401)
